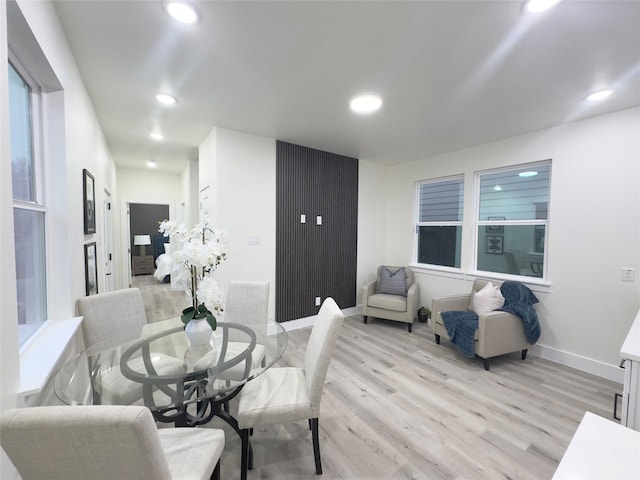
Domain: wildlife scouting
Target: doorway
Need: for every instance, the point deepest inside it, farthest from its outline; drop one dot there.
(107, 254)
(144, 239)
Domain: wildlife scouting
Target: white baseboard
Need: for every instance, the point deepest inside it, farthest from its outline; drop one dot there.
(584, 364)
(308, 321)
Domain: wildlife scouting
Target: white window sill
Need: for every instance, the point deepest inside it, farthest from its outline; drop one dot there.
(41, 355)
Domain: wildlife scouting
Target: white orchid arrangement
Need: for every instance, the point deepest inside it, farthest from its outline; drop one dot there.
(201, 251)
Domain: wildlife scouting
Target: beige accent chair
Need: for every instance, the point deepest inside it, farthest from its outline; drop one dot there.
(498, 332)
(110, 318)
(290, 394)
(106, 443)
(391, 307)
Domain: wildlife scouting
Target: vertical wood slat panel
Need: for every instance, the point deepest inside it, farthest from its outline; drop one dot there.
(311, 260)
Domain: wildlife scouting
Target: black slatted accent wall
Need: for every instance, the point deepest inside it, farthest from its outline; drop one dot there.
(315, 260)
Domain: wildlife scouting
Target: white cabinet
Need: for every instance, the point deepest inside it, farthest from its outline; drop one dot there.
(630, 352)
(600, 449)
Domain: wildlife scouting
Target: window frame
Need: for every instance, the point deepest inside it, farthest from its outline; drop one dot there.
(38, 203)
(479, 225)
(418, 224)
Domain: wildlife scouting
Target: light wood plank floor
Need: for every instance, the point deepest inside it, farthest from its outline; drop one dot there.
(398, 406)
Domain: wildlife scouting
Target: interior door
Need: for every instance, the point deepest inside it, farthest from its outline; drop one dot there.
(107, 243)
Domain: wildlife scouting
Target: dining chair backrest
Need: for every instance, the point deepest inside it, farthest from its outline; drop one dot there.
(83, 442)
(322, 341)
(108, 315)
(247, 303)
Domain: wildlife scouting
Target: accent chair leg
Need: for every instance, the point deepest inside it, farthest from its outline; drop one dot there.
(409, 326)
(365, 318)
(524, 354)
(216, 472)
(437, 339)
(486, 364)
(316, 445)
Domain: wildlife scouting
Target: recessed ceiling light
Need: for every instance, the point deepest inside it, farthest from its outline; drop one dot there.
(366, 103)
(599, 95)
(537, 6)
(166, 99)
(182, 11)
(528, 174)
(156, 136)
(152, 164)
(497, 188)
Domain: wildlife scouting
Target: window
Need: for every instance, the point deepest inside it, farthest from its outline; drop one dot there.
(439, 222)
(512, 225)
(28, 203)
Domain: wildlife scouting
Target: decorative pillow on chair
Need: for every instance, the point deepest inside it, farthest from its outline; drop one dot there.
(488, 299)
(393, 283)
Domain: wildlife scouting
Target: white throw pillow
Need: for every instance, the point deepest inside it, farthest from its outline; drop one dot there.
(167, 248)
(488, 299)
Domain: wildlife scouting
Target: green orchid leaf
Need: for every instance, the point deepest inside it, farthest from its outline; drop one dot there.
(187, 315)
(212, 321)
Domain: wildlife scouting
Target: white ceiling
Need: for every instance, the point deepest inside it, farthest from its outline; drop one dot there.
(452, 74)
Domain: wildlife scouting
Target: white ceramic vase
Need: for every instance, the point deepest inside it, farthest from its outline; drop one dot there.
(198, 332)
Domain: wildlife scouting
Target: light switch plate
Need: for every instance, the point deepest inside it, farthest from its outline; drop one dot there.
(628, 274)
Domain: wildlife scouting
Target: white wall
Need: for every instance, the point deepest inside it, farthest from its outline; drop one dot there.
(207, 176)
(84, 147)
(372, 217)
(189, 180)
(9, 375)
(241, 170)
(76, 143)
(594, 230)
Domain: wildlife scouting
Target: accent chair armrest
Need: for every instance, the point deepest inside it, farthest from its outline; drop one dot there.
(413, 295)
(368, 289)
(501, 332)
(447, 304)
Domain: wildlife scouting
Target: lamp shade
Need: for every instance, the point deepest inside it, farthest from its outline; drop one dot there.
(142, 240)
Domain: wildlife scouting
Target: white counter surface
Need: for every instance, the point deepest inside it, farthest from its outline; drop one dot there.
(601, 449)
(631, 346)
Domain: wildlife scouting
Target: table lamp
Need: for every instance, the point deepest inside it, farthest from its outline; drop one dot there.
(142, 240)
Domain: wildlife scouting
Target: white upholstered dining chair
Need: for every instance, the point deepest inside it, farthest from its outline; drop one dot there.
(110, 318)
(248, 304)
(106, 443)
(290, 394)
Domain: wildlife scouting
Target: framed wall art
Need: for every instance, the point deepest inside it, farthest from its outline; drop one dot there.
(89, 201)
(495, 228)
(494, 244)
(90, 269)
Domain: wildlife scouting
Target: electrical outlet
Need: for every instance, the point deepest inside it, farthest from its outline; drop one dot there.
(317, 301)
(628, 274)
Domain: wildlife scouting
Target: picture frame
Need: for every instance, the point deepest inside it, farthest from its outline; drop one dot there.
(89, 201)
(90, 268)
(494, 244)
(495, 229)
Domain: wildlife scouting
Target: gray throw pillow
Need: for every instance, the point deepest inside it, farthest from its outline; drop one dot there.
(393, 283)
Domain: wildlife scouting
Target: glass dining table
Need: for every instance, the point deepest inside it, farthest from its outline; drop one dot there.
(156, 366)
